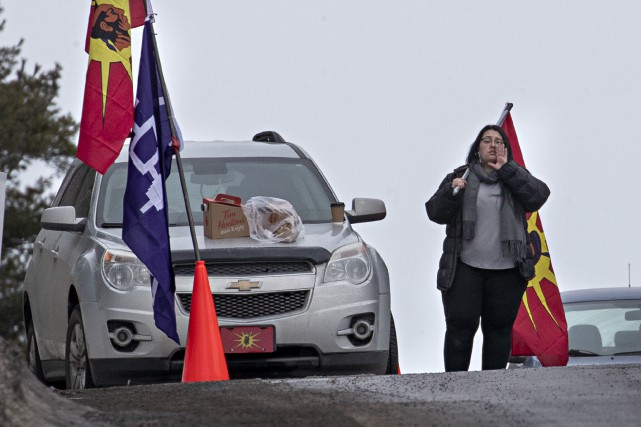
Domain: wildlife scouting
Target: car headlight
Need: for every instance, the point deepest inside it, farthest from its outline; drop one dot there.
(123, 270)
(350, 263)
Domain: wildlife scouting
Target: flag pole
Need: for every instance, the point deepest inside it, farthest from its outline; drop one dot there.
(174, 138)
(506, 111)
(204, 358)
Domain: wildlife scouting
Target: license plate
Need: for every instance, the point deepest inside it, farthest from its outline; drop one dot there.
(247, 339)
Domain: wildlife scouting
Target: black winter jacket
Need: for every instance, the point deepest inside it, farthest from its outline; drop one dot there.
(443, 207)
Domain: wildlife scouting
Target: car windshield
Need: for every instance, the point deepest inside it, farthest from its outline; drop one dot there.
(604, 327)
(295, 180)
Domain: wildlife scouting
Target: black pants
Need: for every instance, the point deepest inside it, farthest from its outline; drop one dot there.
(494, 297)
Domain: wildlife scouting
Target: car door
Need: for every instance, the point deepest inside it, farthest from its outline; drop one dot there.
(39, 292)
(64, 250)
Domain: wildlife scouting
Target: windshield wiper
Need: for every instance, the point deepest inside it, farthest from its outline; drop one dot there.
(580, 353)
(627, 353)
(111, 225)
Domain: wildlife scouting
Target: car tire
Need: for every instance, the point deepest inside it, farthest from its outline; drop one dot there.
(77, 371)
(33, 356)
(392, 360)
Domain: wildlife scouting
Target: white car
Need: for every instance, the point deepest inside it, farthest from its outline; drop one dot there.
(323, 300)
(604, 327)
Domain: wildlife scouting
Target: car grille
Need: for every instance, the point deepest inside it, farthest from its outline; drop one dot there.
(247, 269)
(249, 306)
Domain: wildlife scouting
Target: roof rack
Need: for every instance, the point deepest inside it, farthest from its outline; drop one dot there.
(269, 136)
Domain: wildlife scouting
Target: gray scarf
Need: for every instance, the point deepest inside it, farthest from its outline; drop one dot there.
(512, 232)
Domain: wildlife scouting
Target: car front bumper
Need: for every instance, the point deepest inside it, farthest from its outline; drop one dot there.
(308, 342)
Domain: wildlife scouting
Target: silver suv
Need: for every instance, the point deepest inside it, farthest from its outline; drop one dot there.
(325, 298)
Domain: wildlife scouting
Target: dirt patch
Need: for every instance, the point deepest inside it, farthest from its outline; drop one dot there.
(25, 401)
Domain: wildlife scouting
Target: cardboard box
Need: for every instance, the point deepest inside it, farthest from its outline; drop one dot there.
(223, 217)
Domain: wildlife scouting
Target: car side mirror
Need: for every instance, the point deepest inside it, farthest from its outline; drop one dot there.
(62, 218)
(366, 210)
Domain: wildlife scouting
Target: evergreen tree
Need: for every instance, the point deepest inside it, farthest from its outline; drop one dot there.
(32, 129)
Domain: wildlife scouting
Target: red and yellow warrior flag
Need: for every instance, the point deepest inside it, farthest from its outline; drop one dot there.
(540, 328)
(108, 107)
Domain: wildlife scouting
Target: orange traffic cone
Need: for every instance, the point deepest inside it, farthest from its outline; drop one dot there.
(204, 354)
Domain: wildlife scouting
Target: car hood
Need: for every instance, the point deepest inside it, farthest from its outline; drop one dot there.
(326, 237)
(604, 360)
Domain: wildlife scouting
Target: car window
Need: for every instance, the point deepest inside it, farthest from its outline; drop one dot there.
(610, 327)
(295, 180)
(78, 190)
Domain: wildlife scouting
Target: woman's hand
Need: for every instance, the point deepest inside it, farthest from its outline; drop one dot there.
(501, 157)
(459, 182)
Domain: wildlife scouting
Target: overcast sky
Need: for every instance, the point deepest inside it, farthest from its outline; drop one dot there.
(387, 96)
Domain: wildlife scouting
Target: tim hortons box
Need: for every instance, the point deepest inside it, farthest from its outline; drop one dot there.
(223, 217)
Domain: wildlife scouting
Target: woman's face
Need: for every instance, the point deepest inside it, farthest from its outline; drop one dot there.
(487, 148)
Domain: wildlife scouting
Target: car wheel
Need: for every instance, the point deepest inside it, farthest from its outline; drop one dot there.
(77, 372)
(33, 357)
(392, 359)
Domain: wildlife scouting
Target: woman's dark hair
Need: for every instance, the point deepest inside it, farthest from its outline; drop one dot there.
(474, 148)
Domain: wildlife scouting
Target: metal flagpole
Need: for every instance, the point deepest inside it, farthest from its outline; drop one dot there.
(204, 354)
(506, 111)
(174, 137)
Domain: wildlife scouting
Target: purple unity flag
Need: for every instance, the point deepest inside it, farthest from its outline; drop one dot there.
(145, 224)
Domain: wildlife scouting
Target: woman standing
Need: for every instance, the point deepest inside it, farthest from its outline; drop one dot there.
(482, 273)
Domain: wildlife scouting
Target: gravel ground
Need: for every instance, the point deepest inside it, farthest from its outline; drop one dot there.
(599, 396)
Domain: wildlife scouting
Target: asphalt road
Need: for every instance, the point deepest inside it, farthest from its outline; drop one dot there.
(593, 396)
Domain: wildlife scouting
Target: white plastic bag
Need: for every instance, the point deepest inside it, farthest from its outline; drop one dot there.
(272, 220)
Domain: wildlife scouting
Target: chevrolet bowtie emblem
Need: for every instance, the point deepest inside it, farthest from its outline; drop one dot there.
(244, 285)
